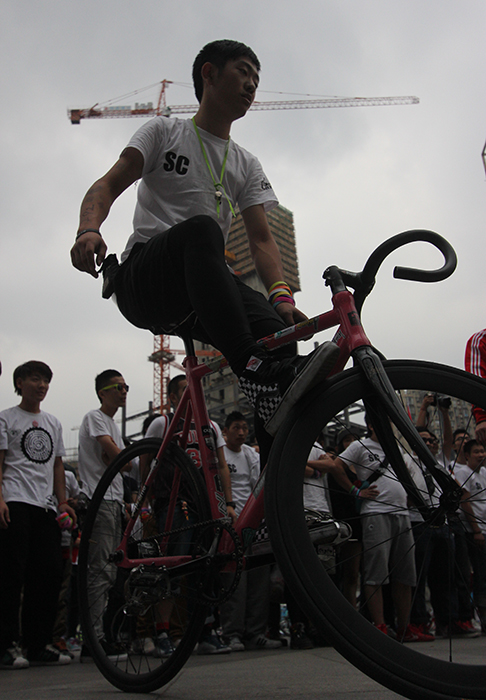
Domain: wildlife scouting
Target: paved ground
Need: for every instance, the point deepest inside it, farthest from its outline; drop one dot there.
(301, 675)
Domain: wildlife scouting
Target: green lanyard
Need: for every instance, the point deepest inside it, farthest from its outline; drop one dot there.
(218, 186)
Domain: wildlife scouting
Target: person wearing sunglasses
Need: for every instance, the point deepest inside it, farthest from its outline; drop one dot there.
(100, 441)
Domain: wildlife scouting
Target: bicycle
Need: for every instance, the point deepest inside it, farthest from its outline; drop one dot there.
(174, 557)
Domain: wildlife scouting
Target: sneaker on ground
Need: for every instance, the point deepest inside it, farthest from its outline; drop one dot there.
(113, 652)
(412, 633)
(73, 644)
(299, 638)
(61, 646)
(144, 646)
(235, 644)
(49, 656)
(273, 387)
(163, 646)
(427, 628)
(13, 659)
(462, 628)
(212, 644)
(382, 627)
(259, 641)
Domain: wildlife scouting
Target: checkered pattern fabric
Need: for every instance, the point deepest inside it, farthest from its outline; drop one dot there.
(264, 398)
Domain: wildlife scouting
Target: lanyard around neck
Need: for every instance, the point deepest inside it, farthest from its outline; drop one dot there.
(218, 186)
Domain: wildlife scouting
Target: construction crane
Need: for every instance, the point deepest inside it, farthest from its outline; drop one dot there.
(163, 356)
(147, 109)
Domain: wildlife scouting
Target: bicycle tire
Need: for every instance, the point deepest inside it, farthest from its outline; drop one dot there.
(135, 670)
(394, 665)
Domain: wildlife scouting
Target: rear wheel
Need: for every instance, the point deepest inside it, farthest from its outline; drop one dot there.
(453, 666)
(132, 618)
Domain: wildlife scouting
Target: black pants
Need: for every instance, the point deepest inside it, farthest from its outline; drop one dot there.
(30, 558)
(178, 283)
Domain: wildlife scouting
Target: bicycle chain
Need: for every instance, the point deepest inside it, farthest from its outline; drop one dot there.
(237, 557)
(237, 554)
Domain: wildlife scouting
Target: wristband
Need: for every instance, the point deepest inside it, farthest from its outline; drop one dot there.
(230, 504)
(317, 474)
(353, 491)
(87, 230)
(280, 293)
(65, 521)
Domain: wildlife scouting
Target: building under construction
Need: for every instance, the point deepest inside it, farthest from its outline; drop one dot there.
(221, 388)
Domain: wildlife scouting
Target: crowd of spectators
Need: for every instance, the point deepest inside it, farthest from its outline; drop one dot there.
(402, 586)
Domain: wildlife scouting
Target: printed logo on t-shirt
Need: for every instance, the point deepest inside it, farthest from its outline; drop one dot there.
(178, 163)
(37, 445)
(266, 185)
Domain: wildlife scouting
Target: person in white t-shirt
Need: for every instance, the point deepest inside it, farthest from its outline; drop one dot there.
(100, 441)
(209, 641)
(244, 615)
(387, 537)
(173, 278)
(472, 477)
(31, 469)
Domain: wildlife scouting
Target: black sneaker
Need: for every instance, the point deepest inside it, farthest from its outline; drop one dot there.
(13, 658)
(49, 656)
(299, 638)
(273, 387)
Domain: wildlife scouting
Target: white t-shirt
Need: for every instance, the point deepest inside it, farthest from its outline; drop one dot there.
(365, 456)
(315, 490)
(176, 183)
(475, 483)
(91, 465)
(31, 441)
(244, 467)
(418, 474)
(158, 428)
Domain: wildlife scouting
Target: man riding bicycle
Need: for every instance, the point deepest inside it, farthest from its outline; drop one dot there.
(173, 277)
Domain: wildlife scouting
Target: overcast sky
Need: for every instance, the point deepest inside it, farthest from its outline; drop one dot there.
(352, 177)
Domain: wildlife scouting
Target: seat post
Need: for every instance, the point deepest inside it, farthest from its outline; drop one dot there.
(188, 345)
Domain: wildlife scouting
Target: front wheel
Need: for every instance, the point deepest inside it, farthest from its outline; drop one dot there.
(452, 666)
(138, 625)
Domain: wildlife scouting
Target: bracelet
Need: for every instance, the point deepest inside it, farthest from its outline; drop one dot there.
(87, 230)
(353, 491)
(280, 293)
(62, 503)
(230, 504)
(317, 474)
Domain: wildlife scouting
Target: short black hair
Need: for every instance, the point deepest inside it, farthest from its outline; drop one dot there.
(148, 420)
(104, 378)
(219, 53)
(427, 430)
(173, 386)
(469, 446)
(233, 417)
(28, 369)
(458, 431)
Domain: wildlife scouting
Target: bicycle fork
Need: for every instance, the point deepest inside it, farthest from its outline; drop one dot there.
(383, 405)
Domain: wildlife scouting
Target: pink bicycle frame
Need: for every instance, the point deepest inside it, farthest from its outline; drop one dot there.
(192, 410)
